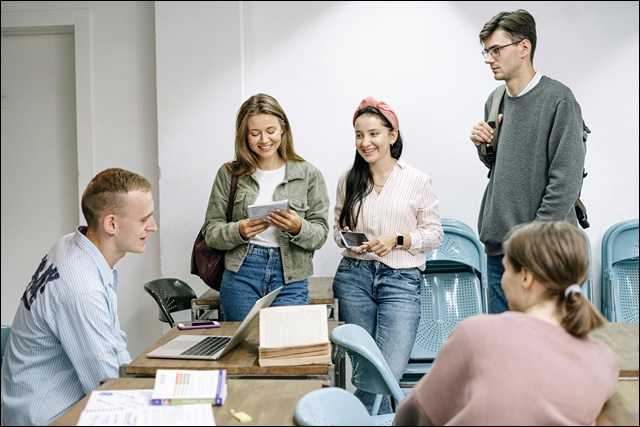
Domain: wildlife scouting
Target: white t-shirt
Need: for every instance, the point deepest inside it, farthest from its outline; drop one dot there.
(268, 181)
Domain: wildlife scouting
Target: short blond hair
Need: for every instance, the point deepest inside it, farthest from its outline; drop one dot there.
(105, 193)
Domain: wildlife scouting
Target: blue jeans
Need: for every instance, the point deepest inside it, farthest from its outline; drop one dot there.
(497, 299)
(385, 302)
(259, 274)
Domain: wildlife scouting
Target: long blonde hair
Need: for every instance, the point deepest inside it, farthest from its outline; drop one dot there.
(246, 161)
(556, 253)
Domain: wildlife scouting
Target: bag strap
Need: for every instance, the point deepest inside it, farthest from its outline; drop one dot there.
(489, 149)
(232, 196)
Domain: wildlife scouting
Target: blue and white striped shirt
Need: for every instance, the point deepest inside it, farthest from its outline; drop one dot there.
(65, 337)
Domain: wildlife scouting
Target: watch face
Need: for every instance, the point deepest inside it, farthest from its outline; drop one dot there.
(400, 240)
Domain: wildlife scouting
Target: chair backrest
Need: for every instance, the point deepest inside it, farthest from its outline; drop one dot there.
(6, 329)
(619, 283)
(450, 222)
(460, 251)
(171, 295)
(453, 287)
(370, 371)
(331, 406)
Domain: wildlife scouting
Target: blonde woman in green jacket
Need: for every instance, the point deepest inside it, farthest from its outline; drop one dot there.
(266, 253)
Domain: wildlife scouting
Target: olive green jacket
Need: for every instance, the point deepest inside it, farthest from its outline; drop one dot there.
(303, 186)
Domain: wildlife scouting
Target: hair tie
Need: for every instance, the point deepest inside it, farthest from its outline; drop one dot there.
(381, 106)
(572, 288)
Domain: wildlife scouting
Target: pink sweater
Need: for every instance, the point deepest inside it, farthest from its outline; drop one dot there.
(512, 369)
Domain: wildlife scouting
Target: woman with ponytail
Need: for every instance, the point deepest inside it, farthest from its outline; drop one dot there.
(533, 365)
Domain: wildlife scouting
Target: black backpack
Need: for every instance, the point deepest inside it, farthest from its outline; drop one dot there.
(489, 149)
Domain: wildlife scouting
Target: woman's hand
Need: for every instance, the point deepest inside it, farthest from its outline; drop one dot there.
(382, 244)
(250, 228)
(286, 221)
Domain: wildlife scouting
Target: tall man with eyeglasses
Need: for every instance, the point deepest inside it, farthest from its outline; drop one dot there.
(537, 171)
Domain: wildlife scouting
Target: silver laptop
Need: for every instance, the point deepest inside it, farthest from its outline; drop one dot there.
(212, 347)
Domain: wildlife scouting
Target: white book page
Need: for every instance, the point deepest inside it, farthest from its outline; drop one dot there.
(293, 325)
(199, 414)
(262, 211)
(104, 400)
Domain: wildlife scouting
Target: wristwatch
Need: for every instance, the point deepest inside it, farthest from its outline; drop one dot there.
(399, 240)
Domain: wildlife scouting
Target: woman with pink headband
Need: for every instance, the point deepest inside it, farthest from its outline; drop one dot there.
(393, 204)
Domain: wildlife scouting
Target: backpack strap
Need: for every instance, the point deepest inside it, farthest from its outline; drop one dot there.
(488, 149)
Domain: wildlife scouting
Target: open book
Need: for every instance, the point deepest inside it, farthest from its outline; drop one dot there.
(181, 386)
(294, 335)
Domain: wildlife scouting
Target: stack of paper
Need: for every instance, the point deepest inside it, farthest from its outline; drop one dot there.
(133, 408)
(263, 211)
(180, 386)
(294, 335)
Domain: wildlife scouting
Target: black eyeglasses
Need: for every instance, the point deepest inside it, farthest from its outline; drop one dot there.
(495, 51)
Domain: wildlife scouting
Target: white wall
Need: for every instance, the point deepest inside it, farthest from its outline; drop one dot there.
(319, 59)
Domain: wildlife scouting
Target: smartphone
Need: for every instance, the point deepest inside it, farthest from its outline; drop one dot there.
(353, 239)
(199, 324)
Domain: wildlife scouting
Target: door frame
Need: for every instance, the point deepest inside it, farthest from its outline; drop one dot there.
(78, 23)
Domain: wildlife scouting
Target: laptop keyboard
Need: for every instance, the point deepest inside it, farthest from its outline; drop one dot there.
(207, 347)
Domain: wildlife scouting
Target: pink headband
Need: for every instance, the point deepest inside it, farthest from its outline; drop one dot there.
(381, 106)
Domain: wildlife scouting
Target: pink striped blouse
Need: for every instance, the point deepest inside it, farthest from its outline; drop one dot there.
(406, 204)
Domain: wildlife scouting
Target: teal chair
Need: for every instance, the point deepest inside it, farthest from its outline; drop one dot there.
(331, 406)
(454, 287)
(369, 370)
(6, 329)
(619, 283)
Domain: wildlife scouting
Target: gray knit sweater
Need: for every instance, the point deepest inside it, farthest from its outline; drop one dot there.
(537, 174)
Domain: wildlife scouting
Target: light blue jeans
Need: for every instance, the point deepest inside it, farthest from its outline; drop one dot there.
(497, 299)
(259, 274)
(385, 302)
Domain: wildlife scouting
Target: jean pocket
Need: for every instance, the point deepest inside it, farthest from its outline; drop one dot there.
(409, 274)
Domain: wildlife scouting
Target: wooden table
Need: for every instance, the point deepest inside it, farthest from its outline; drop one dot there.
(270, 402)
(622, 408)
(241, 362)
(623, 339)
(320, 292)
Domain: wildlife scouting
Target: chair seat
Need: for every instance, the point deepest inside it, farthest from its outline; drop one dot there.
(331, 406)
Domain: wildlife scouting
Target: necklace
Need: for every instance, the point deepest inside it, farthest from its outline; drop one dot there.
(377, 185)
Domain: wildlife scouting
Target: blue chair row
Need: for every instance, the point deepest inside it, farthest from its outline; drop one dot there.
(619, 284)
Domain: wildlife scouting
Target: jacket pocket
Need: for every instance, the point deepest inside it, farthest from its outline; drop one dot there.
(300, 206)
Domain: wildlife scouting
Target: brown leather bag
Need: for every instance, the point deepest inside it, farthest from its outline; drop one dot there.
(206, 262)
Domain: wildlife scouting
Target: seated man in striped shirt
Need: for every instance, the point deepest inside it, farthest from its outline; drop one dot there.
(66, 336)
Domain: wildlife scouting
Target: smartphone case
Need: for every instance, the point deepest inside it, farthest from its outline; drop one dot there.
(185, 326)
